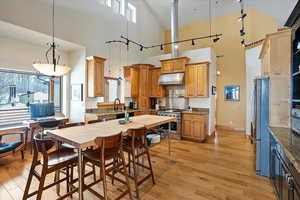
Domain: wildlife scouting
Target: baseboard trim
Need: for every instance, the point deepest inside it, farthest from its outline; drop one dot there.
(229, 128)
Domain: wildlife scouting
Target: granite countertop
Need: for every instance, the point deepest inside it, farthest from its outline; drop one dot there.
(197, 111)
(110, 112)
(289, 143)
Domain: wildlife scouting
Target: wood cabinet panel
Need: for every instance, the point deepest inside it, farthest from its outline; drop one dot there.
(95, 76)
(156, 90)
(134, 81)
(174, 65)
(144, 81)
(197, 80)
(143, 103)
(195, 127)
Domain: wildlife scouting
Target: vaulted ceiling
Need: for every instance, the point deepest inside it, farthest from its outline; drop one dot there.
(191, 11)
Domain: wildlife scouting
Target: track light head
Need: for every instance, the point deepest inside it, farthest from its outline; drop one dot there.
(240, 1)
(242, 32)
(216, 39)
(176, 46)
(127, 42)
(193, 42)
(243, 43)
(242, 17)
(161, 47)
(141, 49)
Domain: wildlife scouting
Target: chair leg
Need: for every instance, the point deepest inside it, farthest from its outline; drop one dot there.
(94, 172)
(22, 154)
(104, 179)
(68, 179)
(26, 191)
(56, 178)
(135, 174)
(129, 163)
(41, 185)
(126, 174)
(150, 165)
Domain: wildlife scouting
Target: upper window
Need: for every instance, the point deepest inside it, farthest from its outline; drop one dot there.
(131, 13)
(18, 90)
(119, 6)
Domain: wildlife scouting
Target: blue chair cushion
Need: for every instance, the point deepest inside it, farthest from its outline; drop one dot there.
(6, 147)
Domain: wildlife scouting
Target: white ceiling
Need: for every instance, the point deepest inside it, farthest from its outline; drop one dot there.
(191, 11)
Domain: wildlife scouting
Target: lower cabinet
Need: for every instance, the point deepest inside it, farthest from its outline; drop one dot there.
(194, 127)
(285, 178)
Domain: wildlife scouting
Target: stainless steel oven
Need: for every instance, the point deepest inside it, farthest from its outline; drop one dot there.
(175, 126)
(296, 120)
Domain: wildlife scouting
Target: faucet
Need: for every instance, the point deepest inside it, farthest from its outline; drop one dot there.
(115, 103)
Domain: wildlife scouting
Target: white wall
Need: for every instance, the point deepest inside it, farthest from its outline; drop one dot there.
(198, 55)
(20, 55)
(89, 24)
(253, 70)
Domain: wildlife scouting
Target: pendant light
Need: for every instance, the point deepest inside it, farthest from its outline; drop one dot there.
(52, 68)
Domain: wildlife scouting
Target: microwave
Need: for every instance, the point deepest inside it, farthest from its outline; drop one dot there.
(296, 120)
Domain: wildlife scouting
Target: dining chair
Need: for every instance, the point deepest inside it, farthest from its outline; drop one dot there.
(108, 157)
(94, 121)
(51, 161)
(7, 148)
(135, 144)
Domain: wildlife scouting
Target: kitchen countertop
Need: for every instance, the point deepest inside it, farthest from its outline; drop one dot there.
(289, 143)
(198, 111)
(112, 112)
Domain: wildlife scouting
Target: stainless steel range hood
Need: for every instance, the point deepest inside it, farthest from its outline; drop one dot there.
(171, 79)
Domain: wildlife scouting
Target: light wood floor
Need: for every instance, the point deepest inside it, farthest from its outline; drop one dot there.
(221, 169)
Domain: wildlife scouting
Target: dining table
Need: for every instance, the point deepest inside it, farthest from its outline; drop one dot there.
(82, 137)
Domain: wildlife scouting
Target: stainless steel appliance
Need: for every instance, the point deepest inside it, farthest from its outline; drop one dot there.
(296, 120)
(175, 126)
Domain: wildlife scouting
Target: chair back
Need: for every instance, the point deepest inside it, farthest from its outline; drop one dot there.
(69, 125)
(111, 142)
(137, 133)
(94, 121)
(42, 145)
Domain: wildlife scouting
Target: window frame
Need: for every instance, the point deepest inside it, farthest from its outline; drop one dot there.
(37, 74)
(131, 8)
(106, 96)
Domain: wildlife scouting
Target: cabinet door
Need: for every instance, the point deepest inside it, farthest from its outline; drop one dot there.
(143, 103)
(166, 67)
(187, 128)
(156, 90)
(134, 79)
(144, 82)
(201, 81)
(200, 128)
(99, 79)
(178, 66)
(189, 81)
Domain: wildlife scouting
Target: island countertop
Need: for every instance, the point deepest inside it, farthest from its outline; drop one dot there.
(289, 143)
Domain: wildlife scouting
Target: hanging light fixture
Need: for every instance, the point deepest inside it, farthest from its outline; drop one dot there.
(52, 68)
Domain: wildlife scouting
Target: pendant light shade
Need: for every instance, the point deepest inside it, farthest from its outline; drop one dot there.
(52, 68)
(48, 69)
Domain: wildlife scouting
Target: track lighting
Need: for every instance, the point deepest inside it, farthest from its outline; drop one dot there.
(141, 49)
(243, 43)
(127, 42)
(161, 47)
(216, 39)
(242, 17)
(240, 1)
(193, 42)
(242, 32)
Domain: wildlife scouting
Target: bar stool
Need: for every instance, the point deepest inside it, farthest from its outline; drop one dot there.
(135, 144)
(51, 162)
(109, 157)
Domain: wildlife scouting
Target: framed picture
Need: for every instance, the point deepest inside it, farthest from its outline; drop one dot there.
(232, 93)
(77, 92)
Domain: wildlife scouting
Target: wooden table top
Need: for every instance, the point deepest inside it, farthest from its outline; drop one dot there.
(84, 136)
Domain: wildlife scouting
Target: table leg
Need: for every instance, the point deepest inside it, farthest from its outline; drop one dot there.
(170, 143)
(80, 178)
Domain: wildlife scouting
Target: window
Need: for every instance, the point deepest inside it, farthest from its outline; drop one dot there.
(18, 90)
(118, 6)
(112, 90)
(108, 3)
(131, 13)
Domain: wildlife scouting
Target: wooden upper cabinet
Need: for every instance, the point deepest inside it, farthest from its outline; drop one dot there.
(195, 127)
(197, 80)
(95, 76)
(276, 54)
(134, 81)
(174, 65)
(144, 86)
(156, 90)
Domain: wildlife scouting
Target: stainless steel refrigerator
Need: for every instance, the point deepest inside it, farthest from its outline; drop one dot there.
(261, 107)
